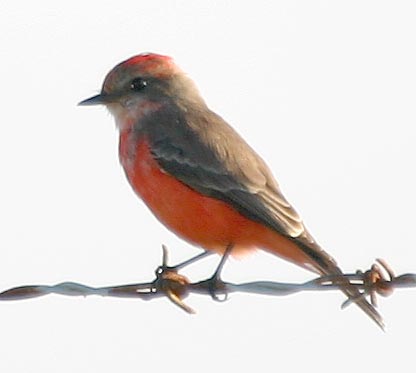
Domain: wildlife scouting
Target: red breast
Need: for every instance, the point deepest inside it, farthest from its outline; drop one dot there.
(201, 220)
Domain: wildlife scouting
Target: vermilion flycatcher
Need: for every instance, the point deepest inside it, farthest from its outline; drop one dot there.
(197, 175)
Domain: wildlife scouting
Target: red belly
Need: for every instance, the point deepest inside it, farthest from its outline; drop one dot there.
(201, 220)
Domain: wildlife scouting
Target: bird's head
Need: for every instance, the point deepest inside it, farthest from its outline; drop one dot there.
(143, 83)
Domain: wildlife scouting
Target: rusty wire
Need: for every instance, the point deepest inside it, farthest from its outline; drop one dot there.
(378, 280)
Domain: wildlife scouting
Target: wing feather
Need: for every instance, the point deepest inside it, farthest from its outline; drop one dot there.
(206, 154)
(200, 149)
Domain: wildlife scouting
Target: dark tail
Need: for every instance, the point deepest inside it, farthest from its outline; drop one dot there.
(326, 265)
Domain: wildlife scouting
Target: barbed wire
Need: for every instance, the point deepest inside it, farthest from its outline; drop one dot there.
(378, 280)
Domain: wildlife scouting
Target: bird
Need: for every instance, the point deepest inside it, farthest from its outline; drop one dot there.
(198, 176)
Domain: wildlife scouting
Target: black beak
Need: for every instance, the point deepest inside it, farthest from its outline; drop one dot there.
(100, 99)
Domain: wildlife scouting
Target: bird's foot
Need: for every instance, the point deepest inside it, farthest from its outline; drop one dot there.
(215, 284)
(217, 288)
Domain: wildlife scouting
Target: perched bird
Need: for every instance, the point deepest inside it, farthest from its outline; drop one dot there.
(197, 175)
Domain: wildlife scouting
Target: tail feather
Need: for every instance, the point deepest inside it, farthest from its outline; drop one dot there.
(357, 297)
(326, 265)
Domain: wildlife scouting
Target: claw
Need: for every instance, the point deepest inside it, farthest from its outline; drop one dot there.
(216, 286)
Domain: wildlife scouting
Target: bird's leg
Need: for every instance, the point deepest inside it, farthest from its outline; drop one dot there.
(165, 268)
(190, 261)
(215, 283)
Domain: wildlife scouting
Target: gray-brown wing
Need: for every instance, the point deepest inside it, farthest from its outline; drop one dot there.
(207, 155)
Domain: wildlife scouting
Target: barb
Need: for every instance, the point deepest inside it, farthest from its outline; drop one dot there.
(378, 280)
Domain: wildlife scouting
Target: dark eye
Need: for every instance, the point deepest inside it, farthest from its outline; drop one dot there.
(137, 84)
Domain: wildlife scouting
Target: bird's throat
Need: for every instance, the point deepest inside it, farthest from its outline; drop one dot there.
(132, 113)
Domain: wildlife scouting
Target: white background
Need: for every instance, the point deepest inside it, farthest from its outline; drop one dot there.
(324, 90)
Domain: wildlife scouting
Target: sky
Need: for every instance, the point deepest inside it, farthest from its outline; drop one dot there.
(323, 90)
